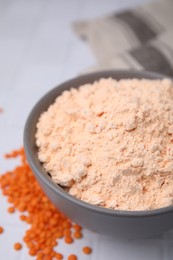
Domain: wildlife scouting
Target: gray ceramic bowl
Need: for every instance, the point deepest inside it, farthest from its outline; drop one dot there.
(116, 223)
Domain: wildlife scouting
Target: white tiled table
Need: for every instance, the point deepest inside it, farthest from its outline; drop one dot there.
(38, 50)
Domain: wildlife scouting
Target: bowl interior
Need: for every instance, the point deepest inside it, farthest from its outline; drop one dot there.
(43, 104)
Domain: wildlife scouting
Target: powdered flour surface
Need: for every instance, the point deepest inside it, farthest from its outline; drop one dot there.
(110, 143)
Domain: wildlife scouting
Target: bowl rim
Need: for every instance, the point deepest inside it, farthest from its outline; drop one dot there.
(41, 174)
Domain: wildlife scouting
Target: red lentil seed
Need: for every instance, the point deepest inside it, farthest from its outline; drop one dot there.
(17, 246)
(87, 250)
(11, 210)
(1, 230)
(58, 256)
(72, 257)
(77, 235)
(47, 224)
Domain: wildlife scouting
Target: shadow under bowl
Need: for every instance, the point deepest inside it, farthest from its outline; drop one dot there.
(115, 223)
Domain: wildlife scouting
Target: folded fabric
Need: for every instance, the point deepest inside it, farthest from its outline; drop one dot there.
(140, 38)
(156, 55)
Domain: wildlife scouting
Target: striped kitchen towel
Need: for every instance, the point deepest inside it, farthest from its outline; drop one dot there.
(140, 38)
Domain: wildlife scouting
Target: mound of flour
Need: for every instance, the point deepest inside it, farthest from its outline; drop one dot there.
(110, 143)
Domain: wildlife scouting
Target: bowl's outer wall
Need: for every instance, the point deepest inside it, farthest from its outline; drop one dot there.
(108, 224)
(111, 225)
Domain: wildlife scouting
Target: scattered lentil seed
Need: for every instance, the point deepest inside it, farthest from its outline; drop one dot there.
(17, 246)
(1, 230)
(58, 256)
(32, 252)
(47, 224)
(23, 217)
(11, 210)
(72, 257)
(77, 235)
(77, 227)
(87, 250)
(68, 240)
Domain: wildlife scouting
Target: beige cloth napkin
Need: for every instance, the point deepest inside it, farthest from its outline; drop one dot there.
(139, 38)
